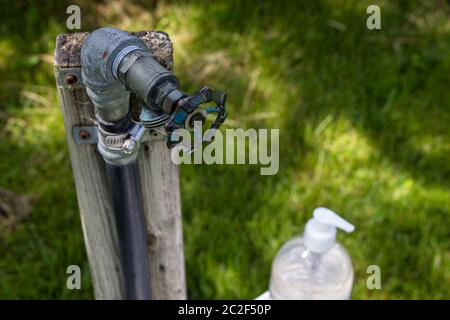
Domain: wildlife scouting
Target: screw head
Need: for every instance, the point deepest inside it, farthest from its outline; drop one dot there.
(84, 134)
(71, 79)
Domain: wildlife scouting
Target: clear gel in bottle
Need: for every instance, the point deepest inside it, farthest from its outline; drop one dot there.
(314, 267)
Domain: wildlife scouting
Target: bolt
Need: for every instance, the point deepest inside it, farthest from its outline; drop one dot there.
(84, 134)
(129, 145)
(71, 79)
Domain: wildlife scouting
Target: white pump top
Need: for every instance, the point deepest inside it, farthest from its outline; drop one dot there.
(320, 231)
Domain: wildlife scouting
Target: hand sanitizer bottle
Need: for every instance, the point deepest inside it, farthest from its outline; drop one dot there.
(314, 267)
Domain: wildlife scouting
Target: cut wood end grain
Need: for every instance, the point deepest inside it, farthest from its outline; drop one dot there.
(68, 48)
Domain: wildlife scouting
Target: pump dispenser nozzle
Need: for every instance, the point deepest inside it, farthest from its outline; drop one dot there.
(320, 231)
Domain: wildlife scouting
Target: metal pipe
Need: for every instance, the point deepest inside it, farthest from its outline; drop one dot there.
(101, 57)
(146, 78)
(125, 188)
(114, 64)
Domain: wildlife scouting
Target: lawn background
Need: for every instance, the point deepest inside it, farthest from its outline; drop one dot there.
(364, 129)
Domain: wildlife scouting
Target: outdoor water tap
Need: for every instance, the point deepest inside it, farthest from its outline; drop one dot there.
(115, 63)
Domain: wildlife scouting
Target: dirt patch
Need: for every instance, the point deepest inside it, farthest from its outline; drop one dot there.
(13, 208)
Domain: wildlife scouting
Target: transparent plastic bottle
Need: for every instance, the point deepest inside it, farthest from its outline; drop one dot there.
(314, 267)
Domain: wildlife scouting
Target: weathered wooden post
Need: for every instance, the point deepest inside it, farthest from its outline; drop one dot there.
(159, 179)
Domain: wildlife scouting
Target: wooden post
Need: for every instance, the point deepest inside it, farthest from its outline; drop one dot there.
(159, 179)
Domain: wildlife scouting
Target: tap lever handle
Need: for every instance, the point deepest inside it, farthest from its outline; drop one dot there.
(188, 110)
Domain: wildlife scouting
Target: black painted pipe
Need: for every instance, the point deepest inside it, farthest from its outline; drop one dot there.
(125, 189)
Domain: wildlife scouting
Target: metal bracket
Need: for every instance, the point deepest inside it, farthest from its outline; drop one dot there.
(89, 135)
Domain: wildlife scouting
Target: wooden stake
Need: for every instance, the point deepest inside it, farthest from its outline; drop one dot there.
(159, 179)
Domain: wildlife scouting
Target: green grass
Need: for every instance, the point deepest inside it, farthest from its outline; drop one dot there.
(364, 129)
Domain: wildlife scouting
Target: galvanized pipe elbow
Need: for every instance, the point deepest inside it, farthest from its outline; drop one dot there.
(109, 95)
